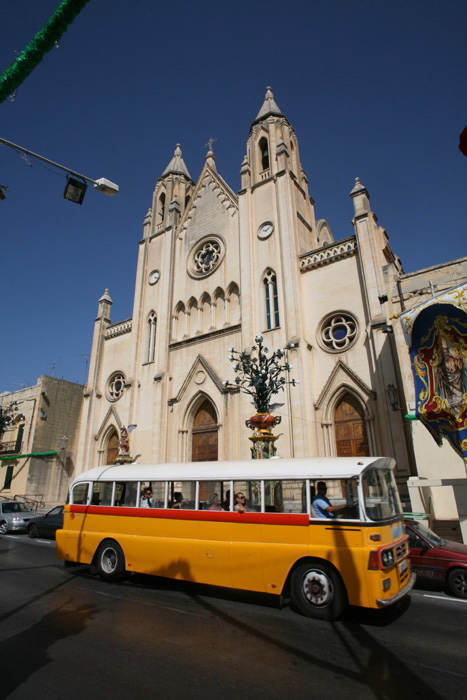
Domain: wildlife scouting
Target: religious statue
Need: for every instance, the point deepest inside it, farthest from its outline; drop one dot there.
(124, 442)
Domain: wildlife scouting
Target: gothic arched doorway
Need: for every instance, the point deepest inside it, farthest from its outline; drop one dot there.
(205, 430)
(351, 434)
(113, 447)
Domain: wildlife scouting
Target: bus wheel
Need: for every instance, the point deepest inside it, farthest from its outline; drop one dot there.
(318, 591)
(110, 561)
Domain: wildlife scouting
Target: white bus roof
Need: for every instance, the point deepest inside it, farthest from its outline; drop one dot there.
(307, 468)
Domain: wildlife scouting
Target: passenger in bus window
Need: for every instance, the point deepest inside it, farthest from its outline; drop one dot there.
(322, 505)
(178, 500)
(240, 503)
(147, 500)
(214, 502)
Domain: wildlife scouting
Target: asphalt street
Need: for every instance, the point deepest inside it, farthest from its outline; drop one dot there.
(66, 634)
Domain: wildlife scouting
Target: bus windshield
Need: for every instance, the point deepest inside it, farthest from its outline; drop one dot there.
(380, 494)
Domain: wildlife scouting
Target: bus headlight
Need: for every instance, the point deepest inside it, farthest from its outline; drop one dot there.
(387, 558)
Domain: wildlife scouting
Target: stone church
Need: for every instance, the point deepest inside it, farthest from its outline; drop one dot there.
(214, 270)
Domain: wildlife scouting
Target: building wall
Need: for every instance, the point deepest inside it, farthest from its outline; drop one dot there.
(51, 411)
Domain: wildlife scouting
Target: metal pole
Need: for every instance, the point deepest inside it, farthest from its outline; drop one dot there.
(46, 160)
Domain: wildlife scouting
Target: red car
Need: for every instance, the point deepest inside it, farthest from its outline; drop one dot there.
(437, 560)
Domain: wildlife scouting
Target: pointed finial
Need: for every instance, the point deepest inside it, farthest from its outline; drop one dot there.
(177, 164)
(106, 297)
(358, 187)
(269, 105)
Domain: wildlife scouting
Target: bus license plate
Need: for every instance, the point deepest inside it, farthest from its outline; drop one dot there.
(403, 566)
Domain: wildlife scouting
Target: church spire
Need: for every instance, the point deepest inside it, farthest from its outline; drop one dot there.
(269, 107)
(177, 165)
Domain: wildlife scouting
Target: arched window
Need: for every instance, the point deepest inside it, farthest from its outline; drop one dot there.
(113, 446)
(205, 433)
(272, 302)
(152, 328)
(350, 426)
(161, 207)
(264, 153)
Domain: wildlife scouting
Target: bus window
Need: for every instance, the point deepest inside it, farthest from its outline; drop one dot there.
(214, 495)
(80, 494)
(158, 492)
(338, 492)
(126, 493)
(182, 494)
(291, 494)
(380, 494)
(252, 492)
(102, 493)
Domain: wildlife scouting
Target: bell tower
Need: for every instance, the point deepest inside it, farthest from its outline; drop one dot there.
(277, 225)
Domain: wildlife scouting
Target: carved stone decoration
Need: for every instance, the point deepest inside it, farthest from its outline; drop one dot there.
(206, 257)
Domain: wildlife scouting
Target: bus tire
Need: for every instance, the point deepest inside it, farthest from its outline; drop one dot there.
(318, 590)
(110, 561)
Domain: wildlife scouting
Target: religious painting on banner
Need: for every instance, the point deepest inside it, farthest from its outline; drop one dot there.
(436, 333)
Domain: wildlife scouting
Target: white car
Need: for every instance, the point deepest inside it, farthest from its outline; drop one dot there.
(14, 516)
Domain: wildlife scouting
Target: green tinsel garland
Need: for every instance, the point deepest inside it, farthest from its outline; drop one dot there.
(44, 40)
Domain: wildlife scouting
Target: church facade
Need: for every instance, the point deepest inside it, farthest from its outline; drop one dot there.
(215, 269)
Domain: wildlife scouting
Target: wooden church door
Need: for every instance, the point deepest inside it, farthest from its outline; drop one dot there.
(205, 433)
(113, 447)
(351, 434)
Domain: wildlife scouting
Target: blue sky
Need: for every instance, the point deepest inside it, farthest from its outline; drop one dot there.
(374, 89)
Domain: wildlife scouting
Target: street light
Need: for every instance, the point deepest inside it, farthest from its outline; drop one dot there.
(75, 189)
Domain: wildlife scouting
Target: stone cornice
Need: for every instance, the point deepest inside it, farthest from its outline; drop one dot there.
(119, 328)
(205, 336)
(328, 254)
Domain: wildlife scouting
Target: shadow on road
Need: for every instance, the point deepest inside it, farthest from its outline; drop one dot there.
(62, 622)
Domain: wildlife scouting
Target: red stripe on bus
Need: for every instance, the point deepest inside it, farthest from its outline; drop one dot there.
(202, 515)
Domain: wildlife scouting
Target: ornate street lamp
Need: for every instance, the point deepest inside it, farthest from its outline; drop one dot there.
(261, 376)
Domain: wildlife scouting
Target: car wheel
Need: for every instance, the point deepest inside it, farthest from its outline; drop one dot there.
(318, 590)
(3, 527)
(110, 561)
(33, 531)
(457, 583)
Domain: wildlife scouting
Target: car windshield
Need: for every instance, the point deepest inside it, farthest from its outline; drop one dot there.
(380, 494)
(15, 508)
(425, 532)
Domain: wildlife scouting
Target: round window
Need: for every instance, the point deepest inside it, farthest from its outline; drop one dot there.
(115, 386)
(206, 257)
(338, 332)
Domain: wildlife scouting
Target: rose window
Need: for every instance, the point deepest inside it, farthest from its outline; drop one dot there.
(206, 257)
(115, 386)
(338, 332)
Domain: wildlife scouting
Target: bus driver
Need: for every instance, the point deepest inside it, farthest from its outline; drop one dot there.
(322, 505)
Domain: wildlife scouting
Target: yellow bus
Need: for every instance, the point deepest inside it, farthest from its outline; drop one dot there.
(248, 525)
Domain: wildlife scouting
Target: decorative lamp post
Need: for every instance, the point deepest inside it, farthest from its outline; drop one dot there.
(261, 376)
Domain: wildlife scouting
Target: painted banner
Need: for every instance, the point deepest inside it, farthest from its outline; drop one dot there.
(436, 334)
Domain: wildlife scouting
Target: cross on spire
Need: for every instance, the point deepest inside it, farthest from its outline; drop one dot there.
(211, 140)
